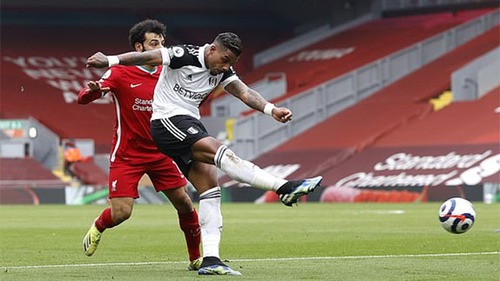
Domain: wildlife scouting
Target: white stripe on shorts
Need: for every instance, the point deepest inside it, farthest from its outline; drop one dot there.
(173, 129)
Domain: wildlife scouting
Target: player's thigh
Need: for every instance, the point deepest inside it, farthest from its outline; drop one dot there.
(124, 179)
(203, 176)
(204, 149)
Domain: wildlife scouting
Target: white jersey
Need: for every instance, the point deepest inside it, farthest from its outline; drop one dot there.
(185, 82)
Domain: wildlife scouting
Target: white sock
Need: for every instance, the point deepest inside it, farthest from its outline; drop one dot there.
(245, 171)
(210, 217)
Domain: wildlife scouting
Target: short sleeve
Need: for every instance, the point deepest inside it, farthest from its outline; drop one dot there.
(228, 80)
(107, 79)
(229, 77)
(165, 56)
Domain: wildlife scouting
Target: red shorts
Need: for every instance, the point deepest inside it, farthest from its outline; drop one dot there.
(124, 177)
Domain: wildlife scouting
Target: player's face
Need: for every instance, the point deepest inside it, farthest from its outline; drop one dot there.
(151, 41)
(220, 60)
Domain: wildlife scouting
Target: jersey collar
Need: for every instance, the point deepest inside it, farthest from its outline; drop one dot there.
(201, 55)
(146, 70)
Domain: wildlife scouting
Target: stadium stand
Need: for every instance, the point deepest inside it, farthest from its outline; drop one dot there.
(29, 170)
(25, 180)
(32, 76)
(461, 123)
(52, 76)
(44, 82)
(435, 78)
(398, 115)
(356, 47)
(451, 151)
(90, 174)
(254, 135)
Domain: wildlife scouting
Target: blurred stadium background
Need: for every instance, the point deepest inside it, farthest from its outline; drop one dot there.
(393, 101)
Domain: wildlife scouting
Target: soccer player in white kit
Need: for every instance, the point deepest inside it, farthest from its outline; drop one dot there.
(189, 75)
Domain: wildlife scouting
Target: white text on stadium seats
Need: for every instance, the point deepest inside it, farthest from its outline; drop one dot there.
(67, 74)
(315, 55)
(407, 161)
(469, 169)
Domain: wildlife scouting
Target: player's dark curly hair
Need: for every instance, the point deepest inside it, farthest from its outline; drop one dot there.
(230, 41)
(137, 32)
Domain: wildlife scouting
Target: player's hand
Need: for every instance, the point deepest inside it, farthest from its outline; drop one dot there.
(95, 86)
(97, 60)
(282, 114)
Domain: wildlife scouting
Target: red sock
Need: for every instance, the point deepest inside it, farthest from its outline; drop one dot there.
(104, 220)
(191, 228)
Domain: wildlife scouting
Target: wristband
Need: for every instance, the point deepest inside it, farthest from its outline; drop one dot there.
(113, 60)
(268, 109)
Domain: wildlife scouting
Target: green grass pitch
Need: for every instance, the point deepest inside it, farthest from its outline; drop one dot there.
(265, 242)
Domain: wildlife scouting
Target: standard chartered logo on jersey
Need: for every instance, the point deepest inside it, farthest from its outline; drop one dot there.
(66, 74)
(468, 169)
(142, 105)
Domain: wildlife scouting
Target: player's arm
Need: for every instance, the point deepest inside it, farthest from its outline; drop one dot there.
(93, 91)
(100, 60)
(254, 100)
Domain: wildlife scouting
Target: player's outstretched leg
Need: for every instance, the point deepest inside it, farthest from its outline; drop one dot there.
(195, 264)
(247, 172)
(214, 266)
(91, 240)
(291, 191)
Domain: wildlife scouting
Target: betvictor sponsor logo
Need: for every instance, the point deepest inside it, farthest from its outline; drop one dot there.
(405, 169)
(188, 94)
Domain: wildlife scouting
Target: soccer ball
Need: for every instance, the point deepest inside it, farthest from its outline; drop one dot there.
(457, 215)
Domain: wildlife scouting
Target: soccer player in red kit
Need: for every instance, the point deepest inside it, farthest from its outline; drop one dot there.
(133, 152)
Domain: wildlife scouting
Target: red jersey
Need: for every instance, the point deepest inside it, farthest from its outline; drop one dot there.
(132, 88)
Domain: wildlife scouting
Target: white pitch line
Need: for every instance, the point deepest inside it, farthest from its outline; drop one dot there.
(253, 260)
